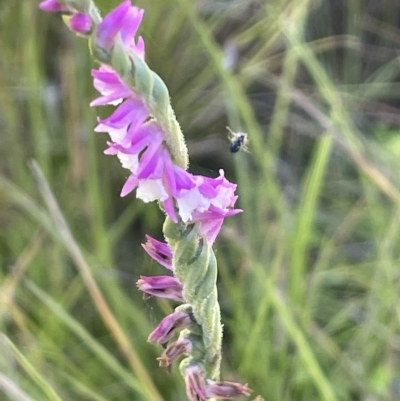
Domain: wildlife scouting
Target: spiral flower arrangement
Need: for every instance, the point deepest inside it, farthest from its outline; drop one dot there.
(146, 137)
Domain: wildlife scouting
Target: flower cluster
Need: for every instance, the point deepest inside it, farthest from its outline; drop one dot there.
(198, 387)
(140, 136)
(139, 142)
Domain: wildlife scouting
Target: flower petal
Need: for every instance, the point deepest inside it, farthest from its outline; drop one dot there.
(112, 23)
(52, 6)
(80, 23)
(159, 251)
(161, 286)
(168, 327)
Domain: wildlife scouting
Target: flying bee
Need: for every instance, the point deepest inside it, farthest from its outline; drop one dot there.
(238, 141)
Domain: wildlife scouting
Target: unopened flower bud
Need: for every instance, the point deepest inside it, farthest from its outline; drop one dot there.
(79, 23)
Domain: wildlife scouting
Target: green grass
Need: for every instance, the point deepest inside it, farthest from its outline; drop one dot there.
(309, 272)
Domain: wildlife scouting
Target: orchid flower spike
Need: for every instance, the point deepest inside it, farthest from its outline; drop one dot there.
(145, 136)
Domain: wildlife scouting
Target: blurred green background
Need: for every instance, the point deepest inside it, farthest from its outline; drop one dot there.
(309, 273)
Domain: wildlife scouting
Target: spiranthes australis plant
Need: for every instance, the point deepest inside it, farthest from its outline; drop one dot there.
(148, 141)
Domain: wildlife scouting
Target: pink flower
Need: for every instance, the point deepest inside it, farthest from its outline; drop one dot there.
(208, 203)
(168, 327)
(159, 251)
(125, 20)
(110, 85)
(52, 6)
(200, 389)
(161, 286)
(195, 383)
(226, 390)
